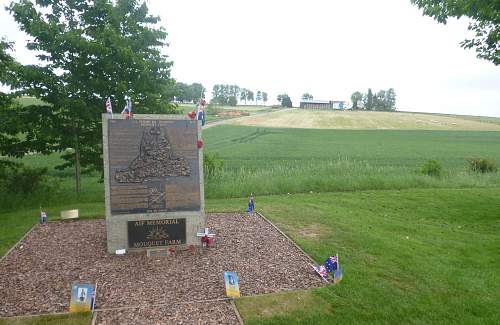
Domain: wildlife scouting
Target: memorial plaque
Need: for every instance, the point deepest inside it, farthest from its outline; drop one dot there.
(153, 166)
(154, 233)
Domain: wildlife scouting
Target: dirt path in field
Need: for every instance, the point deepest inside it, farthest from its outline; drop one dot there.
(238, 119)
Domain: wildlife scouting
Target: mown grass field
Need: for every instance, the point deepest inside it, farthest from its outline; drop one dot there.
(409, 257)
(414, 248)
(322, 119)
(425, 256)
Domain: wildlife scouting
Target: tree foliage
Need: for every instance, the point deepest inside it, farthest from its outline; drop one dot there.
(226, 94)
(369, 100)
(243, 94)
(307, 96)
(485, 22)
(223, 94)
(258, 97)
(250, 95)
(384, 100)
(285, 100)
(356, 99)
(6, 67)
(89, 50)
(264, 97)
(189, 93)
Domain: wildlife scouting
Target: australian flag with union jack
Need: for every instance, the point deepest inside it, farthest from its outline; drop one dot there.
(331, 264)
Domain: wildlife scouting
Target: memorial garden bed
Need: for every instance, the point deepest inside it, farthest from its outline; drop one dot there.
(36, 276)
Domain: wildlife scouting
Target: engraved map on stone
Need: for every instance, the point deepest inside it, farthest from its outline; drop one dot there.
(156, 159)
(153, 166)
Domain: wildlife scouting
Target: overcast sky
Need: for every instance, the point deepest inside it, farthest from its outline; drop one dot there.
(327, 48)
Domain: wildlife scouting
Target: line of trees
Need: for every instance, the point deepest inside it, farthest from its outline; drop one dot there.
(384, 100)
(89, 50)
(232, 94)
(189, 93)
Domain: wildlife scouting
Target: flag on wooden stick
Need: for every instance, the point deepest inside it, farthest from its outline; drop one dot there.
(109, 108)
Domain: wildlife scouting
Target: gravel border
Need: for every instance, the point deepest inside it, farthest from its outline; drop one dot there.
(37, 278)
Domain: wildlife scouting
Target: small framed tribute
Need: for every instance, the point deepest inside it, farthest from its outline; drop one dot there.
(232, 286)
(82, 298)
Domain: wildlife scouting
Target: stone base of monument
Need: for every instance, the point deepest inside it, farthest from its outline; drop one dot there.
(36, 276)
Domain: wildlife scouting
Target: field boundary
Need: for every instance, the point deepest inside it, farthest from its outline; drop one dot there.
(18, 242)
(285, 235)
(237, 312)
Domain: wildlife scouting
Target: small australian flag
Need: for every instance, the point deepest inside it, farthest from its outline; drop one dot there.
(331, 264)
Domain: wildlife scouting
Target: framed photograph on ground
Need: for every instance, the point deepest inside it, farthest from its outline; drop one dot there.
(232, 286)
(82, 298)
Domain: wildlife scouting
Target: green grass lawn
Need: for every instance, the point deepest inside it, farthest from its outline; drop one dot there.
(67, 319)
(414, 256)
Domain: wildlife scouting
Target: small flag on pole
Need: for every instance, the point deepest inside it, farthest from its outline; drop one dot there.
(109, 108)
(127, 110)
(200, 115)
(331, 264)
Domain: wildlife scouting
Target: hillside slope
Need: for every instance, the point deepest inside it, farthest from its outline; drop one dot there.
(298, 118)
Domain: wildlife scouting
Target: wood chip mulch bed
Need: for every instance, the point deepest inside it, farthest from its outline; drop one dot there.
(36, 277)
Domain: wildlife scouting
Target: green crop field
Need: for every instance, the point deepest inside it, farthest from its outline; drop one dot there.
(275, 161)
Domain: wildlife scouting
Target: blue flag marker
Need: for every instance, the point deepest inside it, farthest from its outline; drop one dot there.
(251, 204)
(331, 264)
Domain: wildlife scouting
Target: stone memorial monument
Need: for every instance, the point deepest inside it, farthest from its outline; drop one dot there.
(153, 176)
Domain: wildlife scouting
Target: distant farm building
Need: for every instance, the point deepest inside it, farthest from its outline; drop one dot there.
(323, 104)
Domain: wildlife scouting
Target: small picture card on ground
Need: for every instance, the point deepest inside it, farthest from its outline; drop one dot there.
(69, 214)
(232, 286)
(82, 298)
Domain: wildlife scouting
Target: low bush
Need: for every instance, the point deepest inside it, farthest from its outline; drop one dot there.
(483, 165)
(212, 164)
(431, 168)
(19, 179)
